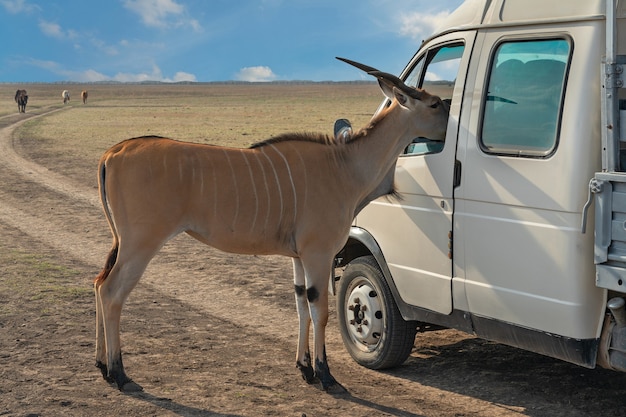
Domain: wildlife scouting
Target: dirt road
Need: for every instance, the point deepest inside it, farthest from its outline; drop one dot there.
(213, 334)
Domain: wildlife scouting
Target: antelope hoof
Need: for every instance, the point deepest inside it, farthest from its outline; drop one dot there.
(308, 374)
(130, 386)
(329, 384)
(104, 370)
(123, 382)
(335, 388)
(327, 381)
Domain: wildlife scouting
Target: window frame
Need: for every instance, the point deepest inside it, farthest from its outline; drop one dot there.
(424, 60)
(521, 153)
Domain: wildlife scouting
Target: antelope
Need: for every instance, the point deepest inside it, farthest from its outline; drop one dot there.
(66, 96)
(294, 195)
(83, 96)
(21, 98)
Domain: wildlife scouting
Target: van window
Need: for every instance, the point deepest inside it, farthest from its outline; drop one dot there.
(522, 107)
(435, 72)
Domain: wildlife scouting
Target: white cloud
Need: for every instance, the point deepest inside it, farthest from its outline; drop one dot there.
(195, 25)
(184, 76)
(124, 77)
(102, 46)
(92, 75)
(55, 30)
(88, 76)
(162, 13)
(420, 26)
(154, 12)
(47, 65)
(18, 6)
(255, 74)
(51, 29)
(56, 68)
(155, 75)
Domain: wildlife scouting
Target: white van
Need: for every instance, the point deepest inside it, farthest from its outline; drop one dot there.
(514, 228)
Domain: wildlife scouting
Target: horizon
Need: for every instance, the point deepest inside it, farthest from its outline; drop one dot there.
(156, 82)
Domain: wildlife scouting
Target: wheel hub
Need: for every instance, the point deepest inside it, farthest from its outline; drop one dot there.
(364, 315)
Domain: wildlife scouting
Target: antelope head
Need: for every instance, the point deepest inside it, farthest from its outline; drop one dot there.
(431, 111)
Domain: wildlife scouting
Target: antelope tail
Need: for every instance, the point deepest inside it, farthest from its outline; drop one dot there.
(112, 258)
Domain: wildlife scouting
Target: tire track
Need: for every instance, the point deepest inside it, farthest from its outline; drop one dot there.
(35, 172)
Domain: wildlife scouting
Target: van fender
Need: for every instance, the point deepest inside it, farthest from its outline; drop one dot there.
(362, 243)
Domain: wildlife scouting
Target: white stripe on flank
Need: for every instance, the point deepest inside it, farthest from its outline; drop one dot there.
(267, 191)
(304, 173)
(256, 197)
(235, 190)
(214, 187)
(280, 192)
(150, 168)
(293, 186)
(192, 162)
(201, 180)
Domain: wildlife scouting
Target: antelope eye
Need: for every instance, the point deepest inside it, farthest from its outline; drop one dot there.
(434, 105)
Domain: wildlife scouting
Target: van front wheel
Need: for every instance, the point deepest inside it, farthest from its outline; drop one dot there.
(372, 329)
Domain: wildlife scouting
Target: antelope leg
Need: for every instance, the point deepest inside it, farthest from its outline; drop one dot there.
(303, 355)
(317, 272)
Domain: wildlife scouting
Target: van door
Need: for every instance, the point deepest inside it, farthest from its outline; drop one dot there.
(526, 161)
(414, 232)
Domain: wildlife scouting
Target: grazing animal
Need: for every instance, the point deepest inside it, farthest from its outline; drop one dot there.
(294, 195)
(66, 96)
(83, 96)
(21, 98)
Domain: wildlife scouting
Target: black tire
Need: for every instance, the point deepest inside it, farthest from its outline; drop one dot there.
(372, 328)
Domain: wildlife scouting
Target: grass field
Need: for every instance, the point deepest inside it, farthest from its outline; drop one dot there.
(222, 114)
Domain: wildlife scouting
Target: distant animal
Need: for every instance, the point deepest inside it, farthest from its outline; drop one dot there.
(66, 96)
(83, 96)
(21, 98)
(293, 195)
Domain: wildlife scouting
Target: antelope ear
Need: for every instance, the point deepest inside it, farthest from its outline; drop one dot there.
(400, 96)
(392, 92)
(387, 89)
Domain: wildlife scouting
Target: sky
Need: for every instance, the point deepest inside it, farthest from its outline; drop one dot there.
(210, 40)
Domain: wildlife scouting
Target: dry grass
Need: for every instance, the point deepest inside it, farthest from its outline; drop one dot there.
(228, 115)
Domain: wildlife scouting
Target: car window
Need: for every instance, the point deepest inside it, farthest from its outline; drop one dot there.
(523, 101)
(435, 72)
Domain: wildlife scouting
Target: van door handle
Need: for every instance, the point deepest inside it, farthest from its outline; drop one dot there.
(457, 173)
(595, 187)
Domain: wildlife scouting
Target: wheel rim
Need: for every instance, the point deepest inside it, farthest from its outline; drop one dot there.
(364, 315)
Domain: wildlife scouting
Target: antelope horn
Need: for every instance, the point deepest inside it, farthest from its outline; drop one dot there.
(385, 77)
(360, 66)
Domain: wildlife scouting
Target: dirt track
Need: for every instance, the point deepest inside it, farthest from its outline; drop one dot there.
(213, 334)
